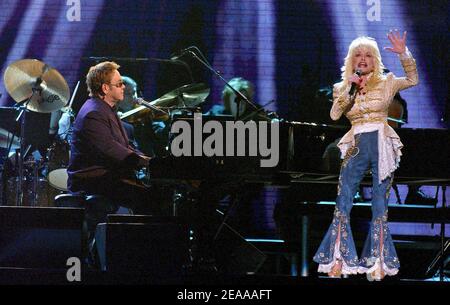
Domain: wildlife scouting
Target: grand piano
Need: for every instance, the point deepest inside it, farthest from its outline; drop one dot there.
(425, 159)
(312, 157)
(308, 153)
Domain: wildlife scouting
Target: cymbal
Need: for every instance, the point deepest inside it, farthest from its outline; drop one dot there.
(142, 112)
(24, 76)
(5, 138)
(185, 96)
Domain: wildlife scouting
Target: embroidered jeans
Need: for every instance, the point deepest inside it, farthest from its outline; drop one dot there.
(378, 248)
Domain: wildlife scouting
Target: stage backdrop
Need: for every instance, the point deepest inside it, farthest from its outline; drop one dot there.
(288, 49)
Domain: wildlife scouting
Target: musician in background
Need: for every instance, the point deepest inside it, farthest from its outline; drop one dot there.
(212, 192)
(229, 98)
(150, 134)
(102, 161)
(129, 96)
(364, 95)
(127, 104)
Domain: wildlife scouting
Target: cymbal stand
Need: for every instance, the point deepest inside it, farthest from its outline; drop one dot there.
(6, 170)
(20, 159)
(36, 165)
(22, 151)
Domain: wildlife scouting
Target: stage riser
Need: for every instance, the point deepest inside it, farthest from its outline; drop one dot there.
(160, 249)
(40, 237)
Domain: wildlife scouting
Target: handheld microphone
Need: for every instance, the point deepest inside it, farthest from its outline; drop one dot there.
(353, 87)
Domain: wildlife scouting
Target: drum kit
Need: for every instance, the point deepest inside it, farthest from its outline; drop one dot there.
(37, 87)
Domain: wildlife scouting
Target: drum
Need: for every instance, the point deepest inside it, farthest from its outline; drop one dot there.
(58, 159)
(38, 193)
(58, 179)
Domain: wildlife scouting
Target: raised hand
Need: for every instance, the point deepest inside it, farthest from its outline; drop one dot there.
(398, 43)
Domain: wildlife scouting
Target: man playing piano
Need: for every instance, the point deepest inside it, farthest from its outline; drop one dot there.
(363, 96)
(102, 162)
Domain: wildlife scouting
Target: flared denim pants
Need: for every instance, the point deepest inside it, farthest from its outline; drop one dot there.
(338, 244)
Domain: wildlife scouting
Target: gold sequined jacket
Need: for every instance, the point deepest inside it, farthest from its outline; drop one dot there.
(372, 108)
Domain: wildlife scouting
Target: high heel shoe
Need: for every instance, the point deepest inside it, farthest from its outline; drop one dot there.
(336, 271)
(376, 275)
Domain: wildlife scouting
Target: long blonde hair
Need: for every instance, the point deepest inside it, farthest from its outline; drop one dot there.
(370, 44)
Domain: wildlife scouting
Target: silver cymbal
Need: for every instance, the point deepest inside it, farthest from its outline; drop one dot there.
(5, 138)
(185, 96)
(24, 76)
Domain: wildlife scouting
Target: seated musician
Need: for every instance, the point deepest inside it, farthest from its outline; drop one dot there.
(229, 106)
(102, 161)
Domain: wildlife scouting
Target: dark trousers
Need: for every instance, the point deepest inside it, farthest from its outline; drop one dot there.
(104, 195)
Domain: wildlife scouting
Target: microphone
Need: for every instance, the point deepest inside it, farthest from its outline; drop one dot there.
(353, 87)
(144, 103)
(179, 54)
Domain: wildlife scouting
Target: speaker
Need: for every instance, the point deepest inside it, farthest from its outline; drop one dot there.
(235, 255)
(143, 244)
(40, 237)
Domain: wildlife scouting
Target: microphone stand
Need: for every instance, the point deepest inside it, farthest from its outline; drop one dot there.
(238, 94)
(258, 111)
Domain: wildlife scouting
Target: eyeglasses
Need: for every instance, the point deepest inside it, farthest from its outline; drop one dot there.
(118, 85)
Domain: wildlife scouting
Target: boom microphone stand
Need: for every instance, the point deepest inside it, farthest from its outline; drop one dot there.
(239, 96)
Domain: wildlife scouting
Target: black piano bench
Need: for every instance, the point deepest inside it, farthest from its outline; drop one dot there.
(96, 208)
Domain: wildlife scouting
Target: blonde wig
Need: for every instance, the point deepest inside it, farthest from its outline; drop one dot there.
(370, 44)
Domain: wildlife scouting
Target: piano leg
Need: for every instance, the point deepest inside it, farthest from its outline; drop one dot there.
(304, 272)
(397, 194)
(439, 260)
(441, 271)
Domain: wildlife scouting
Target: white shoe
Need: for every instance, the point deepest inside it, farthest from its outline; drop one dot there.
(376, 275)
